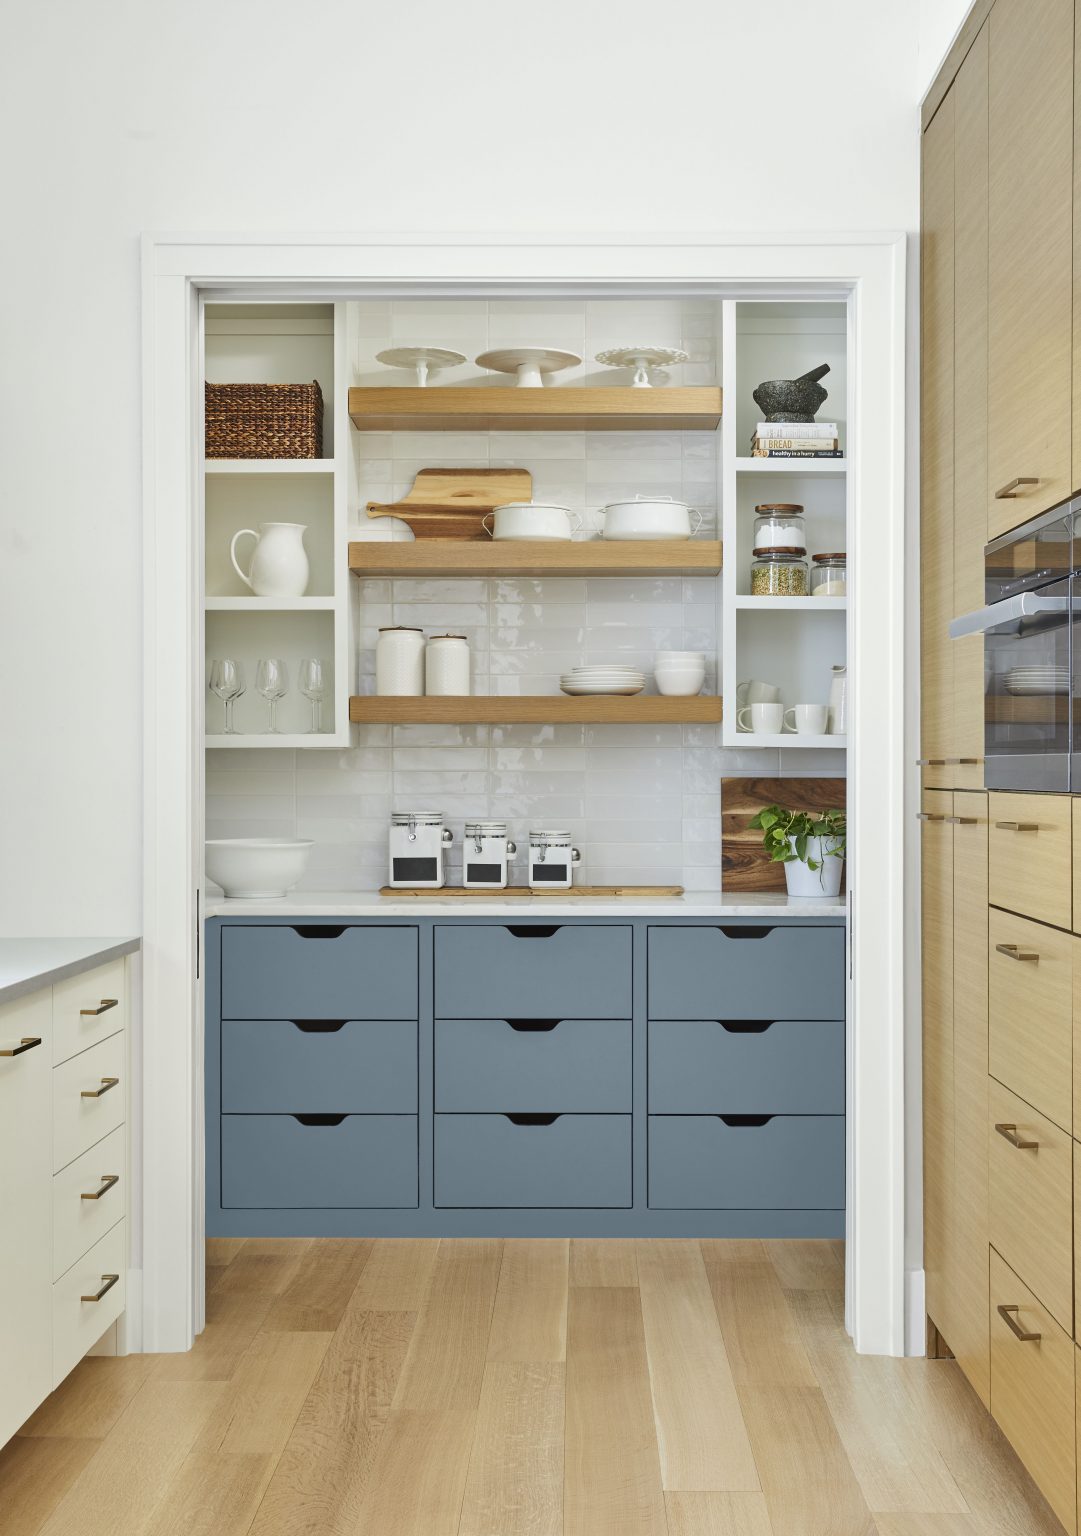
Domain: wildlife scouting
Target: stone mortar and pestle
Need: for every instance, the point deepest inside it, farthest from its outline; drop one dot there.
(792, 399)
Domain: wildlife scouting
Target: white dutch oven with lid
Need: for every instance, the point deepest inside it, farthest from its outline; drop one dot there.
(531, 520)
(650, 517)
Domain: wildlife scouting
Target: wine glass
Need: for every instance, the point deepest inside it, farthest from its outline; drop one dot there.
(313, 685)
(272, 682)
(227, 682)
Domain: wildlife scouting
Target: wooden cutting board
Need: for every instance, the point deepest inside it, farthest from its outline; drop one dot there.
(450, 503)
(647, 891)
(745, 865)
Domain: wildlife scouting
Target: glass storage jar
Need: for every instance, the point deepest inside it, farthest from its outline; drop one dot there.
(486, 855)
(779, 573)
(418, 841)
(552, 860)
(779, 525)
(829, 575)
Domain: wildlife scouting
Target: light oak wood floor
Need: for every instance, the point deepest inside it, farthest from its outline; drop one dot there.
(518, 1388)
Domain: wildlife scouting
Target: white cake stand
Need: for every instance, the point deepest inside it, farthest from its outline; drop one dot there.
(642, 359)
(423, 359)
(529, 363)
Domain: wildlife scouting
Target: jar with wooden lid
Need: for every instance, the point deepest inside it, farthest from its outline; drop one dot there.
(779, 573)
(779, 525)
(829, 575)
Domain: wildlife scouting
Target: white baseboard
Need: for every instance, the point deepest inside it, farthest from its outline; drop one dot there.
(915, 1313)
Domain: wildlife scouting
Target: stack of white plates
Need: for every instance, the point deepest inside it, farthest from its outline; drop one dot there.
(1029, 681)
(581, 682)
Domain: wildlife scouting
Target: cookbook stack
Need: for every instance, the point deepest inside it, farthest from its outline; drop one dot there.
(796, 440)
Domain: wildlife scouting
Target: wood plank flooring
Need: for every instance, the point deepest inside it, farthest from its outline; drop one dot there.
(518, 1388)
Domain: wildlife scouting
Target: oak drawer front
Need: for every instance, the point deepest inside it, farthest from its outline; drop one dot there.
(1029, 856)
(546, 970)
(89, 1197)
(776, 1162)
(1031, 1199)
(1030, 1028)
(1077, 1244)
(569, 1065)
(89, 1099)
(333, 1162)
(318, 971)
(706, 1066)
(563, 1161)
(78, 1320)
(746, 972)
(88, 1008)
(352, 1066)
(1032, 1387)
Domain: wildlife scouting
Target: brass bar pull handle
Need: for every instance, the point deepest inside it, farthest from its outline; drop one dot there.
(107, 1283)
(96, 1093)
(930, 762)
(929, 816)
(1008, 1131)
(1004, 493)
(107, 1182)
(1018, 826)
(106, 1004)
(1012, 952)
(1006, 1314)
(963, 821)
(964, 762)
(27, 1043)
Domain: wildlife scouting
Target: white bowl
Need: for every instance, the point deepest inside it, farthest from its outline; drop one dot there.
(671, 658)
(256, 868)
(679, 685)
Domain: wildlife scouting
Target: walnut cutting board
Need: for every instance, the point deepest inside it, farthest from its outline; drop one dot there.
(450, 503)
(745, 865)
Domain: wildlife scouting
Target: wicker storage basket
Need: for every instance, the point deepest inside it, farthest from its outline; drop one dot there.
(264, 421)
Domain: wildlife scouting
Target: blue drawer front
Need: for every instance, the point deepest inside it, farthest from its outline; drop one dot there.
(361, 1066)
(577, 1160)
(275, 1162)
(318, 971)
(700, 1066)
(792, 1162)
(533, 1064)
(541, 970)
(769, 973)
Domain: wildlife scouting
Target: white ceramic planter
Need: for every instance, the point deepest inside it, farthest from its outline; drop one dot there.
(822, 882)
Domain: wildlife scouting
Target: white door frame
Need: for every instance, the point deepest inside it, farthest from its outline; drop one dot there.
(177, 271)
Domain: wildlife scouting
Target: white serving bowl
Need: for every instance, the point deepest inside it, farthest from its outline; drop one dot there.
(679, 683)
(256, 868)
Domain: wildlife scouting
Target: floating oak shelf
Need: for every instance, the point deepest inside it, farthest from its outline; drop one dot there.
(505, 407)
(596, 557)
(510, 709)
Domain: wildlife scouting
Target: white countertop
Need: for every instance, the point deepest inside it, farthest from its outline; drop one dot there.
(773, 904)
(27, 965)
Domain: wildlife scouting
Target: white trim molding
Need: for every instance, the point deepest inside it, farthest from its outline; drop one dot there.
(179, 272)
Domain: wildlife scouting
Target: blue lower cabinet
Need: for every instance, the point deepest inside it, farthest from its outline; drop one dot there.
(713, 1066)
(318, 971)
(533, 1160)
(540, 970)
(746, 1162)
(352, 1066)
(746, 971)
(581, 1065)
(318, 1162)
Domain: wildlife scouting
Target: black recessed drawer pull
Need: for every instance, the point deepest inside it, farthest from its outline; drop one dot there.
(752, 931)
(533, 1026)
(736, 1120)
(319, 1119)
(532, 1119)
(319, 930)
(746, 1026)
(318, 1026)
(534, 931)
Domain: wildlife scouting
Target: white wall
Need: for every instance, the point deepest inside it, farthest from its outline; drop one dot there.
(122, 117)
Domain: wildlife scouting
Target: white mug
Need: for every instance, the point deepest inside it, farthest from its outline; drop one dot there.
(754, 692)
(765, 717)
(807, 719)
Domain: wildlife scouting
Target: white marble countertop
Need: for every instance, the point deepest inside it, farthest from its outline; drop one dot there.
(27, 965)
(773, 904)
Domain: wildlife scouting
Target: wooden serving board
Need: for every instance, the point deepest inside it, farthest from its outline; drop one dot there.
(745, 864)
(649, 891)
(450, 503)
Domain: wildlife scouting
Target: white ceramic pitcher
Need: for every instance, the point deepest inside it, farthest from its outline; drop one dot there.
(279, 562)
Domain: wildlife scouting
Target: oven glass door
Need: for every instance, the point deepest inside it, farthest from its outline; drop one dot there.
(1028, 678)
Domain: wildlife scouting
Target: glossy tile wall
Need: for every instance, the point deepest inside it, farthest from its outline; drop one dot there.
(643, 802)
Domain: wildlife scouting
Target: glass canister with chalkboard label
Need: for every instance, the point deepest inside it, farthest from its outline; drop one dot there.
(418, 842)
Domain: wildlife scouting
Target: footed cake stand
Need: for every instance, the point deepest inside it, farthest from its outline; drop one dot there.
(642, 359)
(424, 359)
(529, 363)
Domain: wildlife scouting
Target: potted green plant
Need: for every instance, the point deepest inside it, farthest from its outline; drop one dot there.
(810, 845)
